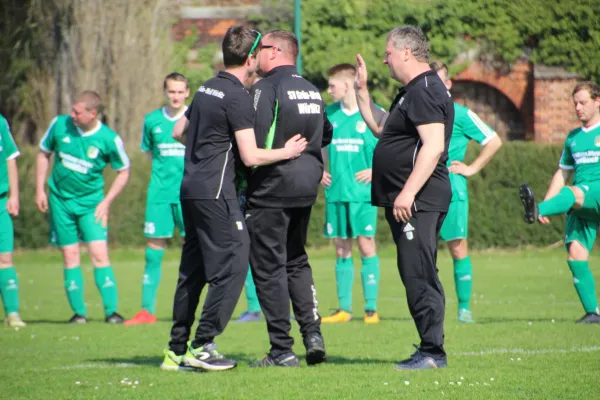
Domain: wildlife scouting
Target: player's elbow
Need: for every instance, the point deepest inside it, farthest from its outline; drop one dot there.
(248, 159)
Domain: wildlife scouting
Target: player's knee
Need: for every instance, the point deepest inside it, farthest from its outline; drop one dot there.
(71, 256)
(579, 196)
(99, 254)
(156, 244)
(458, 249)
(343, 248)
(366, 245)
(577, 252)
(5, 260)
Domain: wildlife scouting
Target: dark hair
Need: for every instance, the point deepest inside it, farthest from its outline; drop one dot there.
(289, 38)
(345, 69)
(175, 76)
(237, 44)
(591, 88)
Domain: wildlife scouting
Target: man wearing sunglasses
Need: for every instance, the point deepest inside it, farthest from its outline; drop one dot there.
(280, 199)
(215, 252)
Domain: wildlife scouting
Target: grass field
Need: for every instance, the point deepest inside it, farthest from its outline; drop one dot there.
(525, 344)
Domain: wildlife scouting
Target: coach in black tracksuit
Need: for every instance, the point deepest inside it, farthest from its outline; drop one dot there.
(410, 180)
(215, 251)
(280, 198)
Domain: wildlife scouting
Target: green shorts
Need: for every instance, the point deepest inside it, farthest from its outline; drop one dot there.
(7, 235)
(161, 219)
(580, 230)
(456, 224)
(348, 220)
(70, 222)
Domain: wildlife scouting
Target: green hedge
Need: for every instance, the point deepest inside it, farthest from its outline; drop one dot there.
(495, 218)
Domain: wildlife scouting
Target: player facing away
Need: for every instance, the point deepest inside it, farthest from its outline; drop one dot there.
(580, 160)
(348, 212)
(9, 207)
(467, 126)
(163, 209)
(77, 205)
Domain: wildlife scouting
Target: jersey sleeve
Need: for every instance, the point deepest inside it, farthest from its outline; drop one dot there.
(566, 158)
(10, 147)
(118, 158)
(474, 128)
(240, 113)
(424, 108)
(48, 140)
(146, 138)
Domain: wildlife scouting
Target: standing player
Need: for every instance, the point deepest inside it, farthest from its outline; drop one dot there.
(580, 159)
(467, 126)
(9, 206)
(77, 204)
(349, 213)
(163, 210)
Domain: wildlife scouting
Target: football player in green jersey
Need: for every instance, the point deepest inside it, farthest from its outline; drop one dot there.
(163, 210)
(580, 160)
(9, 207)
(77, 205)
(467, 126)
(349, 214)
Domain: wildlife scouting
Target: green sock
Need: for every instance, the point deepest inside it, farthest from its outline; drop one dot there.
(74, 288)
(106, 284)
(559, 204)
(9, 289)
(152, 273)
(344, 277)
(370, 281)
(585, 285)
(251, 297)
(463, 281)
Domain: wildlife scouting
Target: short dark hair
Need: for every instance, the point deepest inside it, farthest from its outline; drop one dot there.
(439, 66)
(345, 69)
(287, 37)
(591, 88)
(237, 43)
(175, 76)
(91, 99)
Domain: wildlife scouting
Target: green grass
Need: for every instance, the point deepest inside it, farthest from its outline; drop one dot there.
(525, 339)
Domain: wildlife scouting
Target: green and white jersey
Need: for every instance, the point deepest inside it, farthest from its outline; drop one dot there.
(467, 126)
(80, 158)
(582, 154)
(8, 151)
(167, 156)
(350, 151)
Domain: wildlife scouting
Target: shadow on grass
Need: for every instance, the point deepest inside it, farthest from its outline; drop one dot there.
(341, 360)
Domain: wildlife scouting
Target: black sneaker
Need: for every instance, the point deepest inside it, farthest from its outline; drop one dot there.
(207, 357)
(528, 200)
(114, 318)
(78, 319)
(315, 349)
(420, 361)
(284, 360)
(589, 318)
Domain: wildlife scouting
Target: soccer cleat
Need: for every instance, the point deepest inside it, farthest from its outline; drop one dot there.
(371, 317)
(419, 361)
(284, 360)
(250, 316)
(465, 315)
(589, 318)
(78, 319)
(528, 200)
(114, 318)
(315, 349)
(141, 318)
(13, 320)
(338, 316)
(172, 362)
(208, 358)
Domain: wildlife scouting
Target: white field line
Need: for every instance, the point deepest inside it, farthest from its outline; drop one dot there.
(489, 352)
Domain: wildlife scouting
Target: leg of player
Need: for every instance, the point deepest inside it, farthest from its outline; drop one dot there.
(105, 280)
(74, 283)
(252, 314)
(463, 278)
(370, 277)
(155, 250)
(568, 197)
(344, 277)
(9, 290)
(583, 280)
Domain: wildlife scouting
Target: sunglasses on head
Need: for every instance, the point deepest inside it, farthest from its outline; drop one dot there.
(256, 42)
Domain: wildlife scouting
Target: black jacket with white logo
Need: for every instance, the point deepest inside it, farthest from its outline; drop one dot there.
(287, 104)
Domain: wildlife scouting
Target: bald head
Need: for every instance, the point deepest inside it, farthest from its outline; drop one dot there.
(286, 42)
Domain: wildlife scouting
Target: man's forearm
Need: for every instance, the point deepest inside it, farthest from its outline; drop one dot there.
(180, 129)
(41, 170)
(486, 154)
(558, 182)
(425, 164)
(117, 186)
(364, 105)
(13, 178)
(259, 157)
